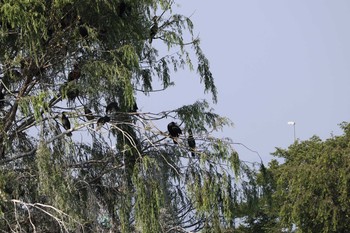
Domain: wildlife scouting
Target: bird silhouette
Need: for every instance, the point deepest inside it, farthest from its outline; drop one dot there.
(123, 9)
(191, 142)
(83, 31)
(69, 90)
(134, 108)
(2, 99)
(88, 114)
(101, 121)
(65, 122)
(154, 29)
(174, 131)
(75, 73)
(112, 108)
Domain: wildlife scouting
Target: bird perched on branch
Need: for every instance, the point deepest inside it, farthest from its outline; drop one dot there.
(123, 9)
(174, 131)
(191, 142)
(83, 31)
(88, 114)
(75, 73)
(154, 29)
(2, 99)
(69, 90)
(101, 121)
(65, 122)
(112, 108)
(135, 108)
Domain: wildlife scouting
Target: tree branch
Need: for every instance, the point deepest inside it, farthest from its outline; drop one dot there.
(29, 153)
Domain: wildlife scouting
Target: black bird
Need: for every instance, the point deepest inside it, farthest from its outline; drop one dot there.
(134, 108)
(75, 73)
(65, 123)
(123, 9)
(88, 113)
(72, 93)
(154, 29)
(101, 121)
(2, 99)
(191, 142)
(83, 31)
(69, 90)
(112, 108)
(174, 131)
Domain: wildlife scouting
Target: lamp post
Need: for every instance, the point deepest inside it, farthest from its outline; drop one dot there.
(292, 123)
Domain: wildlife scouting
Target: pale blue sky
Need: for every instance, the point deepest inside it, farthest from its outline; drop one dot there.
(274, 61)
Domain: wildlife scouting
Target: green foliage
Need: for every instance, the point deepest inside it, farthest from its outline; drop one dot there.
(193, 116)
(126, 175)
(308, 192)
(203, 70)
(312, 184)
(149, 198)
(260, 213)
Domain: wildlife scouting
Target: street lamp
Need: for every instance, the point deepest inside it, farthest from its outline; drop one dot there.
(292, 123)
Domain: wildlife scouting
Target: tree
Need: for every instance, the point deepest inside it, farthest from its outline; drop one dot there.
(308, 192)
(312, 185)
(259, 213)
(126, 175)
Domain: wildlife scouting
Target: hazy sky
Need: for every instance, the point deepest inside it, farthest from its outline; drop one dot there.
(274, 61)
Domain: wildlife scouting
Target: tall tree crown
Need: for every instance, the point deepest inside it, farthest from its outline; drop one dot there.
(62, 63)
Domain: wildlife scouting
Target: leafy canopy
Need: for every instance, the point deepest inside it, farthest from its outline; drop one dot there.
(62, 62)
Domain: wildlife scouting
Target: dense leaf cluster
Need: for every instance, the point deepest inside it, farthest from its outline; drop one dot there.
(308, 192)
(313, 184)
